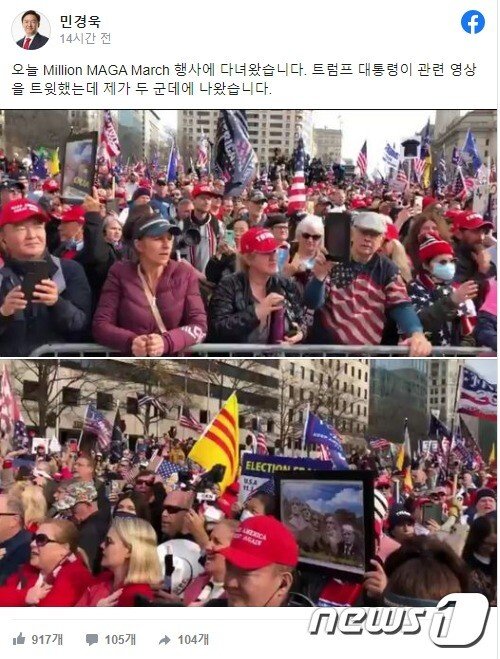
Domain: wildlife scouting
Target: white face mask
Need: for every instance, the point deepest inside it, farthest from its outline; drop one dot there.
(246, 514)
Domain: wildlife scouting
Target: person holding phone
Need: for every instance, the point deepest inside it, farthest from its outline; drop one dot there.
(43, 299)
(224, 260)
(245, 305)
(352, 299)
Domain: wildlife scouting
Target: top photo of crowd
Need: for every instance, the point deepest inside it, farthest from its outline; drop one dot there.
(275, 232)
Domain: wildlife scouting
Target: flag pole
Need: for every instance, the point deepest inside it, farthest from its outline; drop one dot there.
(81, 431)
(308, 411)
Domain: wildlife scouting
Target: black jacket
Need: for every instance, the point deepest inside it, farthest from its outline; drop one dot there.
(18, 553)
(67, 321)
(218, 268)
(232, 315)
(467, 270)
(96, 257)
(91, 535)
(38, 41)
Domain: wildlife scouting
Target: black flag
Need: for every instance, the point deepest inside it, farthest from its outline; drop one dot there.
(235, 159)
(117, 439)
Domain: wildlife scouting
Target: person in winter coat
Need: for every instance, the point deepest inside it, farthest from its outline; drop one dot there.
(82, 240)
(55, 575)
(55, 309)
(441, 305)
(256, 305)
(151, 306)
(131, 565)
(486, 327)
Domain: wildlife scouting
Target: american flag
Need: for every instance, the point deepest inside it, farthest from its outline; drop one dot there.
(167, 468)
(260, 443)
(478, 397)
(202, 152)
(425, 152)
(187, 420)
(459, 187)
(377, 443)
(325, 453)
(148, 399)
(401, 175)
(21, 438)
(109, 143)
(441, 177)
(97, 424)
(356, 300)
(12, 425)
(362, 161)
(297, 192)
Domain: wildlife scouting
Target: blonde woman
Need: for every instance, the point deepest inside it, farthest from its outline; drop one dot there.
(309, 242)
(131, 565)
(34, 504)
(394, 250)
(246, 306)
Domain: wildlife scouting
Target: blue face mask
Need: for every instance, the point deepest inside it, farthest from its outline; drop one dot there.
(444, 271)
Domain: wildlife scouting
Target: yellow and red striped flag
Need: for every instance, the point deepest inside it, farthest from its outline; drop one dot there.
(219, 444)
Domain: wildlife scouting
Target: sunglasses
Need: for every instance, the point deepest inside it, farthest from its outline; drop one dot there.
(148, 483)
(384, 487)
(40, 540)
(314, 236)
(438, 495)
(173, 510)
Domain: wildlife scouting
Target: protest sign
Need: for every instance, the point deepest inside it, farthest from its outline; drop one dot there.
(257, 470)
(79, 166)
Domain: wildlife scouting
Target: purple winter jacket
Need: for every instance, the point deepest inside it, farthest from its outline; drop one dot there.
(123, 312)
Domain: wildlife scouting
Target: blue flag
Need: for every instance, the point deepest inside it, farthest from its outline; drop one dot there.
(319, 432)
(470, 154)
(38, 165)
(172, 165)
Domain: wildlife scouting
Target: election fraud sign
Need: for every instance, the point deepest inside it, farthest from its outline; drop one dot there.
(257, 471)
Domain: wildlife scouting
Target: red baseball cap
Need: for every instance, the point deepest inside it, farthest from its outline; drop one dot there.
(391, 232)
(258, 239)
(74, 214)
(18, 210)
(471, 221)
(50, 185)
(260, 541)
(428, 201)
(204, 189)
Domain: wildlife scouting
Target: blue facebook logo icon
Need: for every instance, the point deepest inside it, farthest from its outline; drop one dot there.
(473, 21)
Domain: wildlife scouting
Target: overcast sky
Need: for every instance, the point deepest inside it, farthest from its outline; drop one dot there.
(376, 126)
(487, 368)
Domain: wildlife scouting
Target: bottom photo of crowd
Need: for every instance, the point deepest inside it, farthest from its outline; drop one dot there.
(247, 483)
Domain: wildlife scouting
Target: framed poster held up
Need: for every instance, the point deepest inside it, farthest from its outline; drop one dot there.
(79, 167)
(331, 515)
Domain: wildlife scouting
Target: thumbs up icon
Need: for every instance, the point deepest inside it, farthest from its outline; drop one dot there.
(19, 640)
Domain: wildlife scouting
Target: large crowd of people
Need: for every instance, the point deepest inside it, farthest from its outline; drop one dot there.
(79, 530)
(150, 267)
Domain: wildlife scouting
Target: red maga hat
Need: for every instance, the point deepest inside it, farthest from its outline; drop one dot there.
(260, 541)
(258, 239)
(19, 210)
(74, 214)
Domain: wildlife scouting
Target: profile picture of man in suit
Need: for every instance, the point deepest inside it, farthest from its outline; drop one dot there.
(32, 40)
